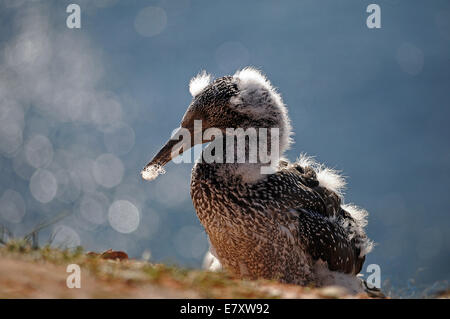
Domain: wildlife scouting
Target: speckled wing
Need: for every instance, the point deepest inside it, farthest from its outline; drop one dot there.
(326, 239)
(297, 186)
(324, 226)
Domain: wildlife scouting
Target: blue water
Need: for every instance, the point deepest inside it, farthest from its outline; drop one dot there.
(82, 110)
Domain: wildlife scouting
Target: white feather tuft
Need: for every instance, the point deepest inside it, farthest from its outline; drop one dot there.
(327, 177)
(360, 217)
(251, 78)
(199, 82)
(211, 263)
(260, 98)
(366, 247)
(357, 213)
(325, 277)
(331, 179)
(305, 160)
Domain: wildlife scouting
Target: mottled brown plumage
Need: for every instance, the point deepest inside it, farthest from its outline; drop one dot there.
(290, 225)
(277, 227)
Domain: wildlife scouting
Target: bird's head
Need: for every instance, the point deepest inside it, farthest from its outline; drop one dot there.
(245, 100)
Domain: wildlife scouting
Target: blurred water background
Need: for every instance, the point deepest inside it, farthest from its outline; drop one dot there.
(81, 112)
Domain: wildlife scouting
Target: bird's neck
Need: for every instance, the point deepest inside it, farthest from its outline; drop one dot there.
(246, 154)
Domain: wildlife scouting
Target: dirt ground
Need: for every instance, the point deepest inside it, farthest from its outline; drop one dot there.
(26, 273)
(21, 279)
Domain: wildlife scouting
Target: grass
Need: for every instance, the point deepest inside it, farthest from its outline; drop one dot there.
(205, 284)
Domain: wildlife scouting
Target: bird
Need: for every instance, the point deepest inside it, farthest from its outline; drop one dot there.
(290, 224)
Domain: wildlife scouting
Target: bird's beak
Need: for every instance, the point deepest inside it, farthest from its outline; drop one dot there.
(185, 137)
(170, 150)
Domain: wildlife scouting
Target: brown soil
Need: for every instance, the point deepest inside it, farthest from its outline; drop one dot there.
(26, 273)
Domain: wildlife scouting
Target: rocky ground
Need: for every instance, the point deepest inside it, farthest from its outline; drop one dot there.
(42, 273)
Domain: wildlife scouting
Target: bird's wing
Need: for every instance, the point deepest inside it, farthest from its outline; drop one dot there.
(328, 240)
(327, 230)
(298, 187)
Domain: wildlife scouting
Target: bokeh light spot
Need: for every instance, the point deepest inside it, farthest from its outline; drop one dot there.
(43, 186)
(150, 21)
(108, 170)
(123, 216)
(38, 151)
